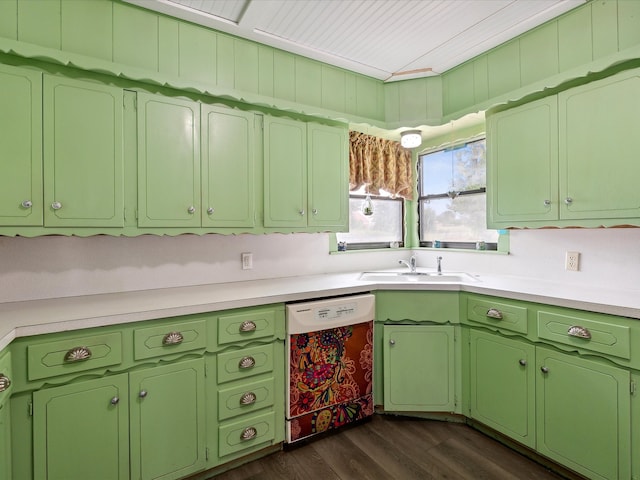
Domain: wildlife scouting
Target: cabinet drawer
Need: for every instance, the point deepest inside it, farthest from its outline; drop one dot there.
(245, 398)
(595, 333)
(246, 433)
(245, 362)
(73, 355)
(170, 338)
(497, 314)
(5, 377)
(246, 326)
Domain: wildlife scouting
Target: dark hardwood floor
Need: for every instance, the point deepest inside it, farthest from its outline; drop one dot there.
(399, 448)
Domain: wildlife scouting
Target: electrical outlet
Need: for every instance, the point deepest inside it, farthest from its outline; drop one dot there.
(247, 261)
(572, 261)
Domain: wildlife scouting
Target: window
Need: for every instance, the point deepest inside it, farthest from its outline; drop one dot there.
(452, 203)
(375, 221)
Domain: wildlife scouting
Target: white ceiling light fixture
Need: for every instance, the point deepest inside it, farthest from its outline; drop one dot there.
(411, 138)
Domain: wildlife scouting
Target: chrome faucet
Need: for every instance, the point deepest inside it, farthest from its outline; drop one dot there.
(411, 264)
(439, 259)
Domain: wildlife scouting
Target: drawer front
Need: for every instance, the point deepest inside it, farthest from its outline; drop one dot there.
(497, 314)
(244, 363)
(246, 433)
(74, 355)
(245, 398)
(585, 333)
(170, 338)
(239, 327)
(5, 377)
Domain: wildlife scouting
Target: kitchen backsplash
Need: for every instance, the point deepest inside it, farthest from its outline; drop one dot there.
(46, 267)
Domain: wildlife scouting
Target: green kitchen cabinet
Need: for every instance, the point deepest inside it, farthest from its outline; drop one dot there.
(599, 167)
(583, 414)
(20, 147)
(419, 368)
(82, 429)
(502, 385)
(83, 154)
(167, 420)
(328, 183)
(5, 442)
(168, 162)
(522, 173)
(306, 178)
(568, 159)
(228, 167)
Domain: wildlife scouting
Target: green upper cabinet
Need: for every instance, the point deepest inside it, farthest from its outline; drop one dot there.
(20, 146)
(328, 183)
(285, 173)
(599, 159)
(522, 176)
(227, 167)
(83, 154)
(568, 159)
(306, 178)
(168, 162)
(583, 414)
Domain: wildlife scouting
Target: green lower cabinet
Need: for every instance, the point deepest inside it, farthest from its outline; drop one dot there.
(5, 442)
(82, 429)
(167, 420)
(635, 427)
(502, 385)
(419, 368)
(583, 414)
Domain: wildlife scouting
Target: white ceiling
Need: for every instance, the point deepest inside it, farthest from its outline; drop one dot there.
(384, 39)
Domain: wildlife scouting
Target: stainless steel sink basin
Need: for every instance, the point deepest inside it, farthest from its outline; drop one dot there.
(419, 277)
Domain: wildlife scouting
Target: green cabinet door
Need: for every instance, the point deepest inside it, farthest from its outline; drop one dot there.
(583, 414)
(502, 385)
(600, 167)
(419, 368)
(285, 173)
(83, 154)
(227, 167)
(81, 430)
(522, 171)
(168, 162)
(20, 146)
(5, 442)
(167, 420)
(328, 158)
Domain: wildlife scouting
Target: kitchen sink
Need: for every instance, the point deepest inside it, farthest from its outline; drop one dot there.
(419, 277)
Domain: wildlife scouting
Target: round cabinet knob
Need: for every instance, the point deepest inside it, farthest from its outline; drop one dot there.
(547, 203)
(191, 209)
(568, 200)
(314, 211)
(544, 369)
(115, 400)
(56, 205)
(142, 394)
(301, 212)
(522, 362)
(27, 204)
(392, 342)
(210, 210)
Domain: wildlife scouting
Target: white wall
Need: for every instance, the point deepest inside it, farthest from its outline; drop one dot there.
(48, 267)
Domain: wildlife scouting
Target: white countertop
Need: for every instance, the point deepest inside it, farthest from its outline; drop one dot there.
(60, 314)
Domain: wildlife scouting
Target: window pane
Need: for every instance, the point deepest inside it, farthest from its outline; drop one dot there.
(385, 225)
(459, 169)
(462, 219)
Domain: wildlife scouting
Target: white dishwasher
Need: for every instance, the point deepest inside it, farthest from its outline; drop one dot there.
(330, 370)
